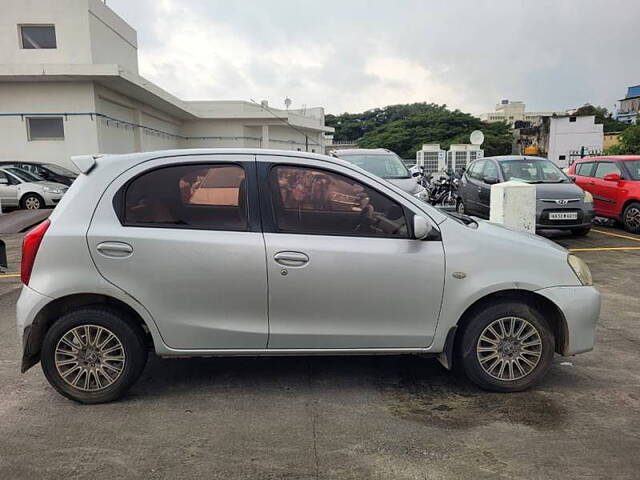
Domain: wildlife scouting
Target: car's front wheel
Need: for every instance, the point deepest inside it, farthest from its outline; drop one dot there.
(631, 217)
(460, 207)
(506, 347)
(93, 354)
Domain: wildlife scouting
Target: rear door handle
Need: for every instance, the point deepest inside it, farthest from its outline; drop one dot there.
(115, 249)
(291, 259)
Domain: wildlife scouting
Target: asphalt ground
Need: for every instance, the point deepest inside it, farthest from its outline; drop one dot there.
(349, 417)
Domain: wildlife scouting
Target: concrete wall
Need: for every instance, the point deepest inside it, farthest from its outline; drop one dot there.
(112, 39)
(80, 131)
(70, 18)
(566, 136)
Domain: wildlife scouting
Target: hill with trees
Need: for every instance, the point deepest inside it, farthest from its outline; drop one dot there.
(404, 128)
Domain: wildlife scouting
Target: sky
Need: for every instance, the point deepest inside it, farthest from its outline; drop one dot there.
(354, 55)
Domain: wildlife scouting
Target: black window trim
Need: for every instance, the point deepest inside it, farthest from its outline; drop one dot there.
(270, 224)
(252, 213)
(591, 171)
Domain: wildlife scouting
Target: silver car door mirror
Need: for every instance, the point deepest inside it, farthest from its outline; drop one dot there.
(421, 228)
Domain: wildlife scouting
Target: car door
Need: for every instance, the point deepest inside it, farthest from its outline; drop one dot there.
(8, 190)
(472, 187)
(583, 175)
(490, 170)
(343, 270)
(182, 236)
(605, 193)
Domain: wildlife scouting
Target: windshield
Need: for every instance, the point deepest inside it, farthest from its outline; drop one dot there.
(634, 168)
(24, 175)
(532, 171)
(58, 170)
(382, 165)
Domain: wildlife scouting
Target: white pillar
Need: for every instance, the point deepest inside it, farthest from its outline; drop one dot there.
(265, 136)
(513, 204)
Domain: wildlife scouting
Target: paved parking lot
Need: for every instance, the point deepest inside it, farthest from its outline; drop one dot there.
(354, 417)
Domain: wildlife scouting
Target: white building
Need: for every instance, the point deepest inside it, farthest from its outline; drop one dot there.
(69, 84)
(571, 136)
(511, 112)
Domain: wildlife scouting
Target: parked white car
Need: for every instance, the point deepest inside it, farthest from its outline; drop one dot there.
(19, 188)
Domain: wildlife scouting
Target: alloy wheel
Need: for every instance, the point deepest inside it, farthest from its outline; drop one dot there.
(32, 203)
(89, 358)
(509, 348)
(632, 218)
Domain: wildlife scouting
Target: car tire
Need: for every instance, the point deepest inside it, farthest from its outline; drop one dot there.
(580, 232)
(98, 370)
(32, 201)
(517, 361)
(631, 217)
(460, 208)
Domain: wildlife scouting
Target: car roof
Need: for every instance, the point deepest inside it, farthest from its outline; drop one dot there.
(503, 158)
(621, 158)
(361, 151)
(11, 162)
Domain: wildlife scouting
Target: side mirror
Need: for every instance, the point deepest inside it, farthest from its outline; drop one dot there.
(491, 180)
(421, 228)
(612, 177)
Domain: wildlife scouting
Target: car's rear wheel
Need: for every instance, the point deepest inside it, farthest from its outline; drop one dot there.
(580, 232)
(93, 355)
(631, 217)
(506, 347)
(32, 201)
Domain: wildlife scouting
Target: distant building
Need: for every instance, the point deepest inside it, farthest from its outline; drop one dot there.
(512, 112)
(69, 85)
(332, 145)
(572, 137)
(629, 109)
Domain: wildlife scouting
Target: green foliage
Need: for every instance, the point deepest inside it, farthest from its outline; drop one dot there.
(629, 142)
(603, 116)
(404, 128)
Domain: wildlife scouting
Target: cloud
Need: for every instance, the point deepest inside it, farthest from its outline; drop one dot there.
(358, 54)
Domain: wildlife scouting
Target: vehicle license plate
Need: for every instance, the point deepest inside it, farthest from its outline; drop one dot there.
(563, 215)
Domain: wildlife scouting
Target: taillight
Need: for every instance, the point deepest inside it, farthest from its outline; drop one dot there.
(30, 245)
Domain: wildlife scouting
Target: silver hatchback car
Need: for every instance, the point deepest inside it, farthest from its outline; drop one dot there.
(264, 252)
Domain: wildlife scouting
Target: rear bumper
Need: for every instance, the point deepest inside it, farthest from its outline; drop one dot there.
(29, 305)
(580, 307)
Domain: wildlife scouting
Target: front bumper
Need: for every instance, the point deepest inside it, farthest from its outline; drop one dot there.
(52, 199)
(580, 307)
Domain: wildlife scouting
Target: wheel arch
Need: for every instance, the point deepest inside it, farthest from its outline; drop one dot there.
(30, 192)
(628, 202)
(53, 310)
(549, 310)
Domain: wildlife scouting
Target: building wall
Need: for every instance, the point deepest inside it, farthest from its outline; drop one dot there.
(80, 131)
(72, 30)
(113, 41)
(566, 136)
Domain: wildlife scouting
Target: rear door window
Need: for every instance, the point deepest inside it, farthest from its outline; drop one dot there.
(475, 171)
(189, 196)
(584, 169)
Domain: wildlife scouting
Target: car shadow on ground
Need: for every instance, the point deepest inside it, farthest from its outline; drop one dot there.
(408, 387)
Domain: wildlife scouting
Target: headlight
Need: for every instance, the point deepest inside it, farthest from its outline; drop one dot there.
(588, 198)
(52, 190)
(580, 269)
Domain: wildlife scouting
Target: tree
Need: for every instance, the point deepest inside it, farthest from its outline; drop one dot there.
(404, 128)
(603, 117)
(629, 142)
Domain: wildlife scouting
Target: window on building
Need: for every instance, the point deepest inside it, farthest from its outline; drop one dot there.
(562, 157)
(38, 36)
(310, 201)
(197, 196)
(45, 128)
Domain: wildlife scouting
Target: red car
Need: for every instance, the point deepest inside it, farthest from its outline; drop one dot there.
(614, 183)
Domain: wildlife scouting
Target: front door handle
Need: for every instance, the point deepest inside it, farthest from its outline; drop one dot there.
(291, 259)
(115, 249)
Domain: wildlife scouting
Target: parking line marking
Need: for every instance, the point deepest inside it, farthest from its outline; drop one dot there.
(5, 275)
(602, 249)
(616, 235)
